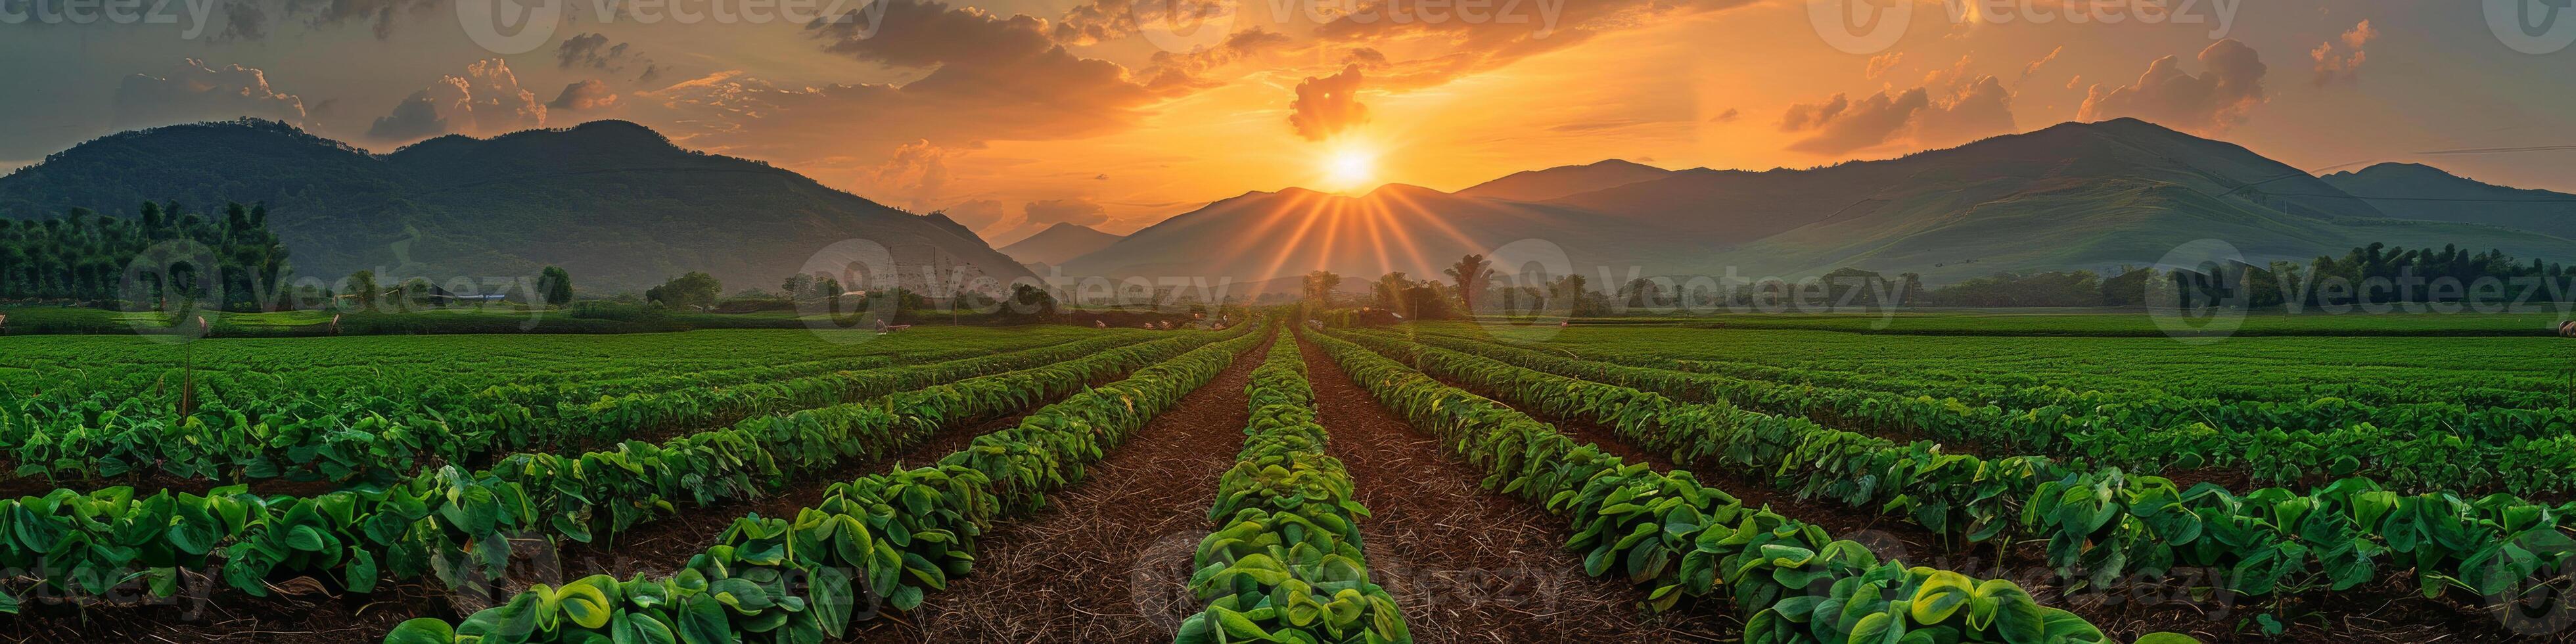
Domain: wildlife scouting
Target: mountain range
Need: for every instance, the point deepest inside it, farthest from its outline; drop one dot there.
(2094, 196)
(614, 203)
(1060, 242)
(623, 208)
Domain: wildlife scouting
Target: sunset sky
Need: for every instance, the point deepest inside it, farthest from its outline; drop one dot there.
(1011, 115)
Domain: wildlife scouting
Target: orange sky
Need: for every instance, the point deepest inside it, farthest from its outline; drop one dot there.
(1011, 115)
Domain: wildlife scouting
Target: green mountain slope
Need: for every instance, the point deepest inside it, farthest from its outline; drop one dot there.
(613, 202)
(2414, 191)
(1551, 183)
(1058, 243)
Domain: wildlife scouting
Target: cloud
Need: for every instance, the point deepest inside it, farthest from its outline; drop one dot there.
(991, 78)
(1366, 58)
(191, 91)
(917, 168)
(1958, 113)
(1879, 64)
(976, 215)
(1172, 71)
(1329, 105)
(1808, 116)
(590, 50)
(2341, 59)
(1510, 32)
(1728, 116)
(584, 96)
(2033, 68)
(1033, 217)
(927, 33)
(1102, 20)
(486, 100)
(2210, 103)
(1049, 212)
(378, 14)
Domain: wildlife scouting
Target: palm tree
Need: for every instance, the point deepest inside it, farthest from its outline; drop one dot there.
(1471, 273)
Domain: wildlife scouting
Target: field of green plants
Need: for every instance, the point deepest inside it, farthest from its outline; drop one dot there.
(1690, 484)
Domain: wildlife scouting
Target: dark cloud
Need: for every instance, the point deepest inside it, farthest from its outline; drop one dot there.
(1728, 116)
(990, 78)
(413, 119)
(1329, 105)
(592, 51)
(1974, 109)
(996, 74)
(379, 15)
(192, 91)
(584, 96)
(486, 100)
(2218, 99)
(928, 33)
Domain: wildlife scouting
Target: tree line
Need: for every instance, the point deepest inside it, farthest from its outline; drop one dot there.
(2377, 273)
(84, 256)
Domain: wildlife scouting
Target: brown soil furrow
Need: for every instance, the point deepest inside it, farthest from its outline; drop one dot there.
(1467, 564)
(1107, 560)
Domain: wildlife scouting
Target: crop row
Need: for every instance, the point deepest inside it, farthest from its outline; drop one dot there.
(1286, 565)
(381, 439)
(2482, 421)
(1790, 580)
(2100, 524)
(883, 537)
(2143, 437)
(2375, 371)
(459, 524)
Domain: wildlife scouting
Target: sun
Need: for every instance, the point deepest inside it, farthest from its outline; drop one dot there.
(1349, 166)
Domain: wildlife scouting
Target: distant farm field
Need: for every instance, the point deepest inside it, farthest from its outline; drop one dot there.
(2522, 321)
(2510, 371)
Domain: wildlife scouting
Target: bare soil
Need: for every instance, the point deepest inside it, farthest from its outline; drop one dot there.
(1468, 564)
(1107, 560)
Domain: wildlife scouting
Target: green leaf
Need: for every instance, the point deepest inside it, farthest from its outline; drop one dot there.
(426, 630)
